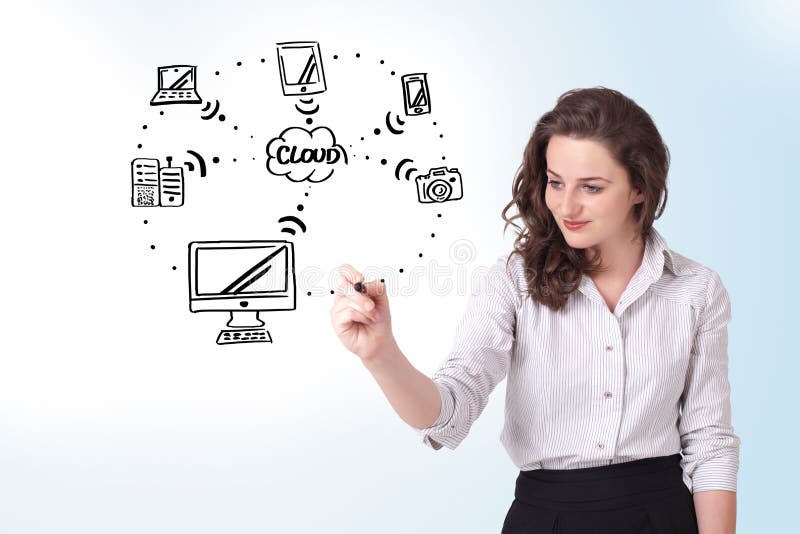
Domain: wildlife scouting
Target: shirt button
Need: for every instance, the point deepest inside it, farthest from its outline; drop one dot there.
(609, 348)
(600, 445)
(607, 394)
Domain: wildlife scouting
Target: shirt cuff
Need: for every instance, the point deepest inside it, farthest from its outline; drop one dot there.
(717, 473)
(436, 435)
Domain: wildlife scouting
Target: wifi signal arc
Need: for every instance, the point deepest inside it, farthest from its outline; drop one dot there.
(389, 125)
(213, 112)
(408, 172)
(292, 218)
(200, 162)
(307, 112)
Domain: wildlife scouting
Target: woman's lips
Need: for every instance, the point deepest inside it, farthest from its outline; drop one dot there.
(578, 226)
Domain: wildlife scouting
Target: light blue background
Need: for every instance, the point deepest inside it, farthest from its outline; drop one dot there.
(85, 449)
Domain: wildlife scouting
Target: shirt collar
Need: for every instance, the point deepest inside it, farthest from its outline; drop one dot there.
(657, 256)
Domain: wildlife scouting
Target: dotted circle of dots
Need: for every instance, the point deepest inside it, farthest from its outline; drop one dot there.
(376, 131)
(383, 161)
(300, 207)
(215, 159)
(401, 269)
(221, 117)
(238, 63)
(217, 73)
(152, 247)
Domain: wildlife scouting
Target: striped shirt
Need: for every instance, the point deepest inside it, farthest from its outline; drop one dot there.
(590, 387)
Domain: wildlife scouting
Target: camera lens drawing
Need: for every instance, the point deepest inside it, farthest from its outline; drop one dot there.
(439, 185)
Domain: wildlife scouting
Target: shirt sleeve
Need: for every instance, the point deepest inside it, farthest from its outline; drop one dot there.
(479, 359)
(710, 446)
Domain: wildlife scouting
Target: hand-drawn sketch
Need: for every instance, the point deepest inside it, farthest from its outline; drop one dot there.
(176, 85)
(400, 165)
(200, 161)
(213, 112)
(145, 181)
(243, 278)
(394, 129)
(308, 102)
(300, 65)
(416, 96)
(300, 154)
(439, 185)
(153, 185)
(171, 184)
(295, 220)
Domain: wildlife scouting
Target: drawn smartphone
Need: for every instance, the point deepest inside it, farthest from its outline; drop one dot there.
(416, 96)
(300, 64)
(144, 182)
(171, 186)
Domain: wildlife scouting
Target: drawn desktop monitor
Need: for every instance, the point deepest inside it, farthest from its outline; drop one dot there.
(300, 64)
(242, 278)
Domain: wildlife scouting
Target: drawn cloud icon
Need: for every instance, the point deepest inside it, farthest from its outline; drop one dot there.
(299, 154)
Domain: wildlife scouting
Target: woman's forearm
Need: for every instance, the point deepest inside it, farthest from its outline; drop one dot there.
(716, 511)
(412, 394)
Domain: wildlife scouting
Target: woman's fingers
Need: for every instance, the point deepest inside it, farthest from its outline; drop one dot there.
(350, 274)
(345, 302)
(346, 290)
(347, 315)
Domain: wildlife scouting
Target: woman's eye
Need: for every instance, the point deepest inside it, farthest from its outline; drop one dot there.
(590, 188)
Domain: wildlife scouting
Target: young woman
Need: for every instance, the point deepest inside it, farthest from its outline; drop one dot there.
(615, 346)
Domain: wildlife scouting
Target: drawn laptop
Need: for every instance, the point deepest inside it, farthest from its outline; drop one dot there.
(176, 85)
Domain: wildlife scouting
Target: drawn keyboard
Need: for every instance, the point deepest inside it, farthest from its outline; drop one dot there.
(244, 335)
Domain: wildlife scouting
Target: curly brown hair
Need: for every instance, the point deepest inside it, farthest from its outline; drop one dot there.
(553, 268)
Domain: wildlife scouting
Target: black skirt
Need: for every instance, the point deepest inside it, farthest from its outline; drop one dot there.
(645, 496)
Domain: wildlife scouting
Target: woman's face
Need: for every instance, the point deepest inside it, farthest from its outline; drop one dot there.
(606, 200)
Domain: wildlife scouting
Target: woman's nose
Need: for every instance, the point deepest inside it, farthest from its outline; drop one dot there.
(570, 205)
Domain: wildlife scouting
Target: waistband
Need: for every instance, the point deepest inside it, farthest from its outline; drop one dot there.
(609, 486)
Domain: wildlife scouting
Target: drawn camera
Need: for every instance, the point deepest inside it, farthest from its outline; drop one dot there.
(439, 185)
